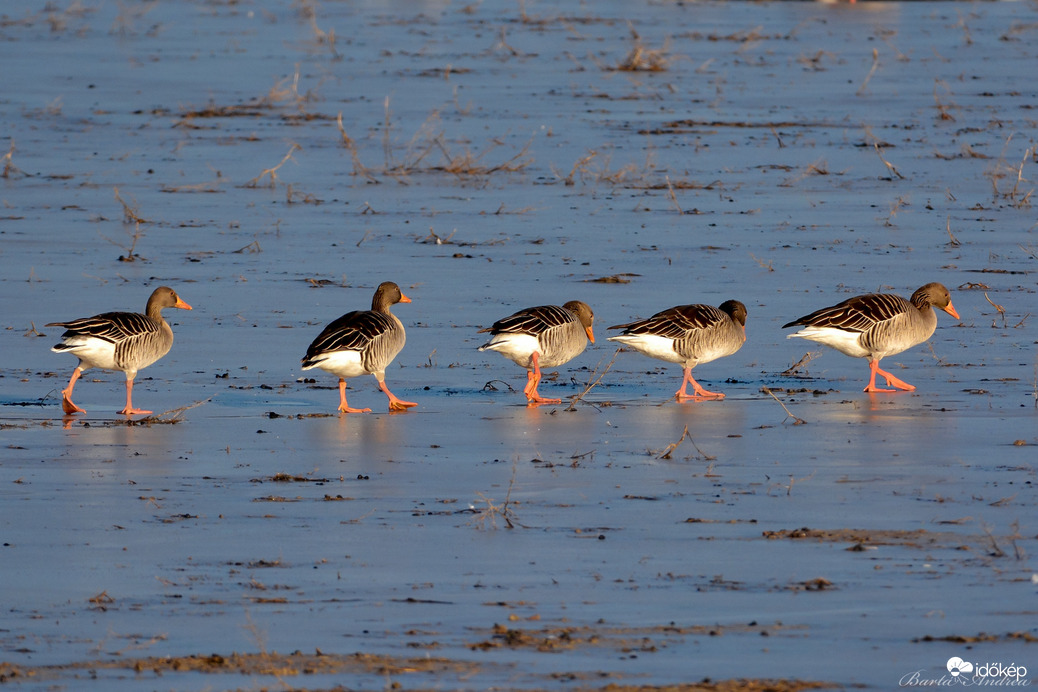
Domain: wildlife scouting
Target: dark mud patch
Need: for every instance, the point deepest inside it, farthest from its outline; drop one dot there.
(861, 538)
(622, 639)
(412, 669)
(262, 664)
(1028, 637)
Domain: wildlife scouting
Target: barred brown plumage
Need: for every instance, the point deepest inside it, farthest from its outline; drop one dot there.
(542, 336)
(123, 341)
(362, 342)
(876, 325)
(688, 335)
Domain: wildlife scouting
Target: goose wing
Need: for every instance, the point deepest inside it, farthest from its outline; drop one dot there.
(113, 327)
(676, 322)
(857, 314)
(532, 321)
(354, 331)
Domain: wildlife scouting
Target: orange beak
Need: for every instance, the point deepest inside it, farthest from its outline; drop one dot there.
(404, 299)
(951, 311)
(181, 304)
(590, 334)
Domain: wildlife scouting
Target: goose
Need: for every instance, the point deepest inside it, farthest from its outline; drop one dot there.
(542, 337)
(688, 335)
(876, 325)
(362, 342)
(121, 341)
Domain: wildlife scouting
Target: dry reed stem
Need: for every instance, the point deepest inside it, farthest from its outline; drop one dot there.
(592, 382)
(351, 146)
(387, 147)
(802, 363)
(504, 210)
(581, 166)
(101, 601)
(954, 242)
(792, 482)
(789, 414)
(252, 248)
(965, 30)
(1024, 201)
(503, 44)
(673, 197)
(130, 214)
(942, 109)
(764, 265)
(1001, 311)
(819, 167)
(940, 361)
(123, 24)
(901, 57)
(1035, 390)
(324, 38)
(435, 239)
(489, 386)
(273, 172)
(468, 165)
(666, 454)
(890, 166)
(11, 170)
(998, 171)
(875, 66)
(642, 59)
(277, 94)
(173, 415)
(503, 510)
(894, 209)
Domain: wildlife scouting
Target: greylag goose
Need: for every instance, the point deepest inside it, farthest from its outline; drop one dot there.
(362, 342)
(688, 335)
(125, 341)
(544, 336)
(877, 325)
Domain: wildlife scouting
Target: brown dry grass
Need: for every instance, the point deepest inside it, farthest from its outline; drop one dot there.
(272, 173)
(1015, 189)
(11, 170)
(417, 157)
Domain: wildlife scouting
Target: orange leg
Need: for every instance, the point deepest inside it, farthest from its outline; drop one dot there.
(66, 394)
(534, 379)
(531, 383)
(394, 403)
(130, 410)
(700, 393)
(343, 408)
(891, 380)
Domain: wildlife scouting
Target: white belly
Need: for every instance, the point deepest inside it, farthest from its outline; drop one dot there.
(842, 341)
(518, 348)
(344, 364)
(658, 347)
(92, 352)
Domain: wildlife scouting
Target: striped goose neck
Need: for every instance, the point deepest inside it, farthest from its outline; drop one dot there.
(735, 310)
(160, 299)
(930, 295)
(386, 295)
